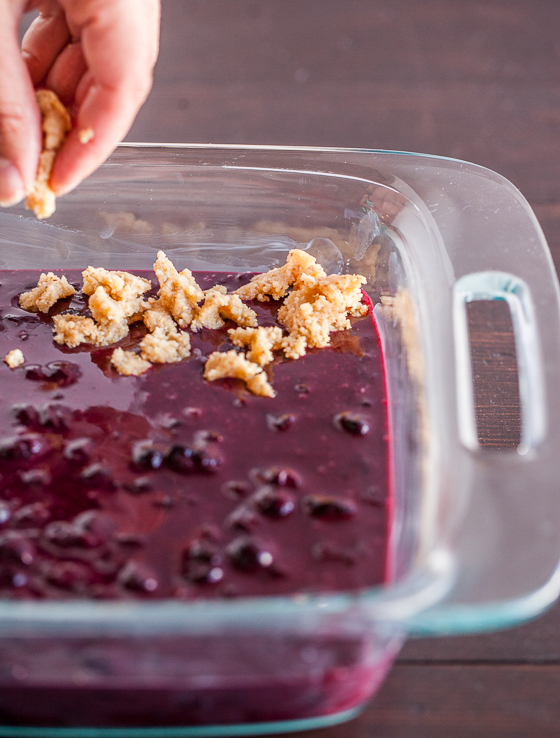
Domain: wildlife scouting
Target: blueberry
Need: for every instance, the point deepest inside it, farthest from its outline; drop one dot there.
(21, 319)
(64, 534)
(35, 477)
(22, 447)
(204, 574)
(329, 508)
(97, 475)
(78, 451)
(202, 551)
(236, 489)
(137, 577)
(243, 517)
(145, 456)
(61, 373)
(351, 423)
(188, 460)
(201, 563)
(16, 548)
(96, 525)
(35, 373)
(5, 512)
(180, 459)
(168, 421)
(11, 577)
(25, 414)
(207, 459)
(35, 514)
(55, 417)
(274, 503)
(139, 486)
(249, 554)
(204, 436)
(282, 476)
(68, 575)
(280, 422)
(81, 533)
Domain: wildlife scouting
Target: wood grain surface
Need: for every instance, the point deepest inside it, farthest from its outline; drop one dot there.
(474, 80)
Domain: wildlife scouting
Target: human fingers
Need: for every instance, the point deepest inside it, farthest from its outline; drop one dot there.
(120, 44)
(44, 40)
(65, 74)
(20, 125)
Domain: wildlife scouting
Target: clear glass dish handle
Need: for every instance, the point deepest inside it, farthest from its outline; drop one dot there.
(508, 544)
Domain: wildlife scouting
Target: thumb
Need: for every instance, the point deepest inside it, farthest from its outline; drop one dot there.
(20, 122)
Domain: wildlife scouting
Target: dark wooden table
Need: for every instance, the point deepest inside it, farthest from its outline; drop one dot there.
(474, 80)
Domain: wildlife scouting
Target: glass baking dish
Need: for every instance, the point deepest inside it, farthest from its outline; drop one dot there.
(474, 543)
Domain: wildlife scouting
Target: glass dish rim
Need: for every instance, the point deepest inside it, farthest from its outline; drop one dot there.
(306, 149)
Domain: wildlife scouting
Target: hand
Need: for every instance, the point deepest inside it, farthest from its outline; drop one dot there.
(98, 56)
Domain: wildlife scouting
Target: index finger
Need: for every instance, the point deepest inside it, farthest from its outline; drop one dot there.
(120, 45)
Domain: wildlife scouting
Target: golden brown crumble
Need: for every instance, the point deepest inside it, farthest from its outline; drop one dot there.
(56, 124)
(119, 285)
(129, 363)
(14, 358)
(231, 364)
(259, 385)
(216, 288)
(157, 316)
(178, 292)
(72, 330)
(218, 306)
(114, 295)
(318, 307)
(160, 347)
(49, 290)
(106, 309)
(277, 282)
(261, 342)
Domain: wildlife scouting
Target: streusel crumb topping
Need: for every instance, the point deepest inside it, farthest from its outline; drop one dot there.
(314, 305)
(14, 358)
(178, 292)
(231, 364)
(160, 347)
(129, 363)
(316, 308)
(218, 306)
(56, 124)
(114, 296)
(49, 290)
(72, 330)
(260, 341)
(277, 282)
(157, 316)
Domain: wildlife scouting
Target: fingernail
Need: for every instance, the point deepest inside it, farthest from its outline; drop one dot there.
(12, 190)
